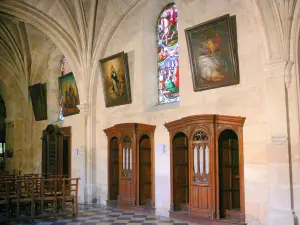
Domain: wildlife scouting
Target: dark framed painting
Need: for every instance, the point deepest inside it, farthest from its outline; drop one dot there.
(38, 95)
(213, 54)
(69, 94)
(115, 80)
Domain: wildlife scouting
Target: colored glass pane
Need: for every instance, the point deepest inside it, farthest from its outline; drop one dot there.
(167, 50)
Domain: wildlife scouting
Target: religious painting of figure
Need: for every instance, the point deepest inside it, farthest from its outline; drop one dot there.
(167, 55)
(70, 94)
(115, 80)
(213, 55)
(39, 101)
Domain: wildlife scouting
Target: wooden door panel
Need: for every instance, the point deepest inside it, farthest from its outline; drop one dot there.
(126, 192)
(201, 201)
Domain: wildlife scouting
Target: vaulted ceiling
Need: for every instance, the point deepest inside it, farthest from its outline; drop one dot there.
(31, 29)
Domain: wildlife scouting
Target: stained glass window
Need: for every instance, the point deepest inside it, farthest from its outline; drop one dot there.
(62, 72)
(167, 50)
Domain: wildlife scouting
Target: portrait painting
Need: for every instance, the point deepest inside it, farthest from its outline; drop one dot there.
(70, 94)
(115, 80)
(39, 101)
(213, 54)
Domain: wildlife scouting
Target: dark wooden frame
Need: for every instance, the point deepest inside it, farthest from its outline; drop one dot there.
(39, 90)
(213, 125)
(67, 132)
(60, 80)
(232, 52)
(135, 131)
(61, 133)
(126, 80)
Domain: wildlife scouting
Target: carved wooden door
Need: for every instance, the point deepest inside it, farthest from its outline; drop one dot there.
(127, 180)
(145, 178)
(200, 169)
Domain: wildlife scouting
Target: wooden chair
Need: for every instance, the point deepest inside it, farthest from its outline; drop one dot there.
(4, 200)
(24, 198)
(48, 195)
(70, 194)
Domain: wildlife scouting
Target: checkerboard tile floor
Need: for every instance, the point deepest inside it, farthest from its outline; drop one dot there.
(99, 215)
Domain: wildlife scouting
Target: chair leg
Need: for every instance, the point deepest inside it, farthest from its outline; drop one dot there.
(55, 208)
(76, 207)
(7, 210)
(32, 210)
(42, 207)
(73, 208)
(18, 210)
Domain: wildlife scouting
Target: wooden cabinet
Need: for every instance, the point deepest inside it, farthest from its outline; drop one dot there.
(131, 152)
(207, 173)
(56, 155)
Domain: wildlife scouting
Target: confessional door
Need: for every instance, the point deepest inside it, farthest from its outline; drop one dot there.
(56, 146)
(180, 173)
(145, 177)
(114, 169)
(229, 178)
(201, 179)
(127, 178)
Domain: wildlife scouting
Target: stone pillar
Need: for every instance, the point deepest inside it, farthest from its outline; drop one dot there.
(88, 192)
(53, 93)
(279, 193)
(9, 141)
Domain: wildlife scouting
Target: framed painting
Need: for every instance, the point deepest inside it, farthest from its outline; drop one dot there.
(213, 54)
(69, 94)
(38, 97)
(115, 80)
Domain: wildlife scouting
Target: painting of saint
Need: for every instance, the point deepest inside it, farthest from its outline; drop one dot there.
(115, 80)
(212, 56)
(70, 94)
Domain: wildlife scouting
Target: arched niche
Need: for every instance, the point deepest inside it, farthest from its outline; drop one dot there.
(229, 175)
(202, 141)
(136, 164)
(113, 167)
(180, 175)
(145, 172)
(56, 151)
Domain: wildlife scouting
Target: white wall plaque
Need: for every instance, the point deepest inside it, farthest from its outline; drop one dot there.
(162, 149)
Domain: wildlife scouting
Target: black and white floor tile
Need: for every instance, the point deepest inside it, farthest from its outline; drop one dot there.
(99, 215)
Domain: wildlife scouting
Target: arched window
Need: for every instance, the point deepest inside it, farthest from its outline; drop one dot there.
(167, 50)
(62, 72)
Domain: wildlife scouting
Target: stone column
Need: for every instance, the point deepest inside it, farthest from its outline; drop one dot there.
(279, 193)
(88, 192)
(53, 93)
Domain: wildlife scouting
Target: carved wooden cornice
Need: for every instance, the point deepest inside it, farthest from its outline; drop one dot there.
(201, 119)
(143, 128)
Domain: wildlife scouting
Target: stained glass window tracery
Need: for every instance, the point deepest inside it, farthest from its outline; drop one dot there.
(167, 50)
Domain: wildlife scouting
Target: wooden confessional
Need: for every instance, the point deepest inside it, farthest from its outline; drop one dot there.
(207, 168)
(131, 165)
(56, 151)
